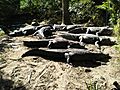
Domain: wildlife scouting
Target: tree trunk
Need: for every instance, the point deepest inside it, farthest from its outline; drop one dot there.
(65, 12)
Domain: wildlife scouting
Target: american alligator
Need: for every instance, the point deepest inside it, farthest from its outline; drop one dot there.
(70, 36)
(105, 32)
(65, 27)
(106, 41)
(44, 32)
(64, 44)
(101, 31)
(67, 55)
(27, 30)
(37, 44)
(16, 33)
(83, 38)
(56, 54)
(78, 30)
(97, 40)
(89, 39)
(85, 55)
(56, 43)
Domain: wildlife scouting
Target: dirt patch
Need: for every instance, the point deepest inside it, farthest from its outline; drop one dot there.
(36, 73)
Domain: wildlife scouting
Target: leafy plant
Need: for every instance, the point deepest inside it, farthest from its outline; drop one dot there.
(117, 28)
(93, 86)
(117, 33)
(81, 10)
(111, 6)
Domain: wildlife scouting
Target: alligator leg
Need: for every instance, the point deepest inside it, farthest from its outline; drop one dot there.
(81, 41)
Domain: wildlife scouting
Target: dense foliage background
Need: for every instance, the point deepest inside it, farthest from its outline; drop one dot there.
(95, 12)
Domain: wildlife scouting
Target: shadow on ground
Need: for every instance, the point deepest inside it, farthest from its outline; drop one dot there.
(7, 84)
(2, 45)
(91, 61)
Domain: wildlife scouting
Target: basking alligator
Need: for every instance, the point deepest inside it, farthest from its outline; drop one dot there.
(83, 38)
(67, 55)
(56, 55)
(56, 43)
(65, 27)
(16, 33)
(27, 30)
(85, 55)
(64, 44)
(70, 36)
(88, 39)
(78, 30)
(36, 44)
(44, 32)
(100, 31)
(106, 41)
(105, 32)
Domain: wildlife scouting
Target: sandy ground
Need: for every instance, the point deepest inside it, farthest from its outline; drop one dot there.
(36, 73)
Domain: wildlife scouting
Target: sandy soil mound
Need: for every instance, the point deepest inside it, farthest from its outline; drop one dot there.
(36, 73)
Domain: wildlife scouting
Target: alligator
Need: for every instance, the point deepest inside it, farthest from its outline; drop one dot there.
(37, 44)
(106, 41)
(83, 38)
(27, 30)
(16, 33)
(82, 55)
(67, 55)
(50, 54)
(64, 44)
(89, 39)
(105, 32)
(44, 32)
(97, 40)
(70, 36)
(65, 27)
(78, 30)
(56, 43)
(100, 31)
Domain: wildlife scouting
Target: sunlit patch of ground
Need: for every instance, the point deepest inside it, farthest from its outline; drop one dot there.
(36, 73)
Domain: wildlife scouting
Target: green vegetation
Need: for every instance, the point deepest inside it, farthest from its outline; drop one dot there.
(94, 86)
(113, 10)
(94, 12)
(98, 12)
(117, 33)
